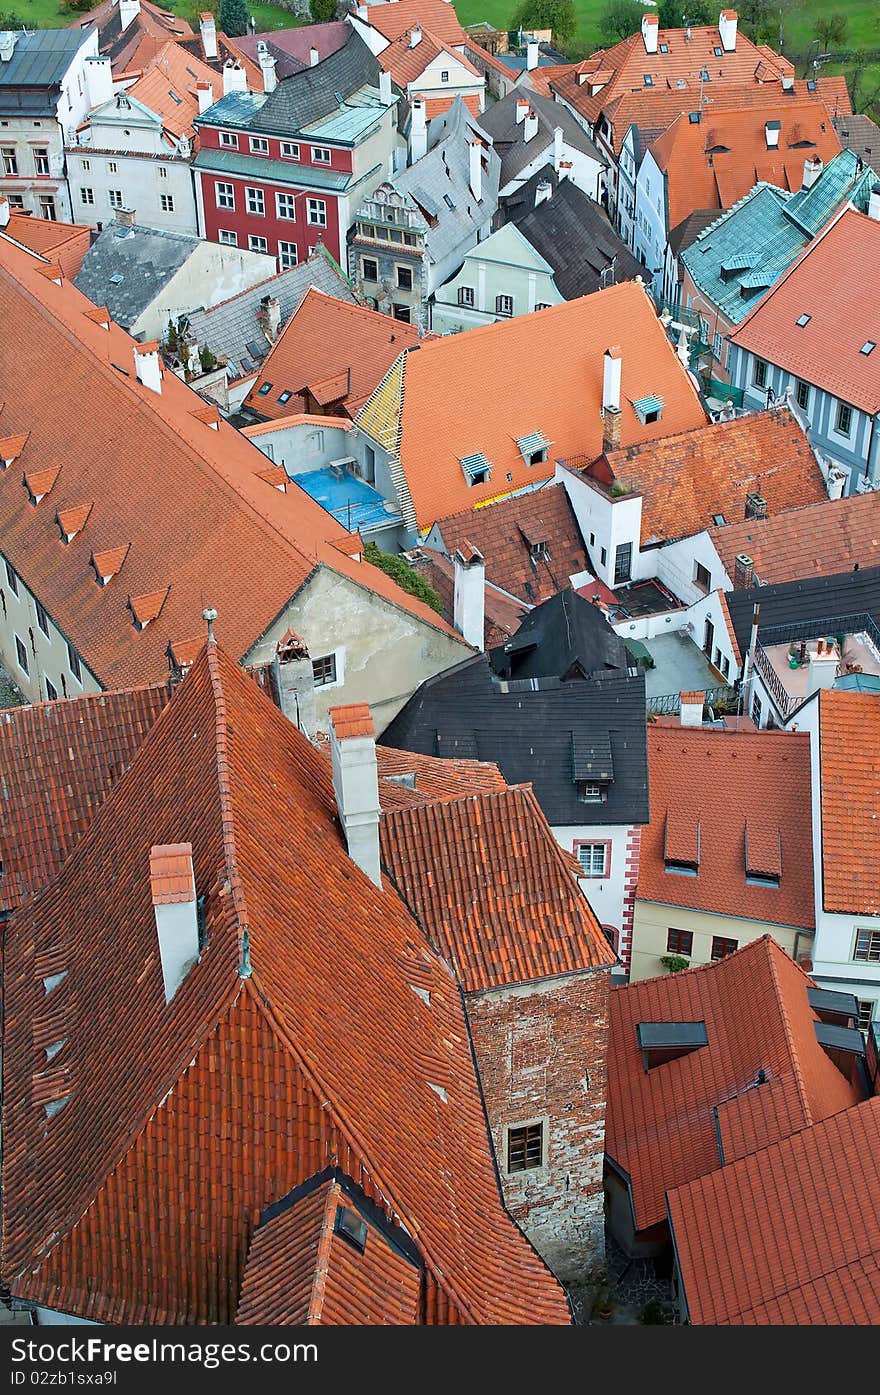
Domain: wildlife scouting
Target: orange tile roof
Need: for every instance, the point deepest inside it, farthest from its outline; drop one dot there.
(58, 762)
(660, 1127)
(742, 790)
(339, 352)
(437, 106)
(437, 16)
(39, 482)
(301, 1271)
(106, 1210)
(849, 746)
(353, 720)
(406, 64)
(789, 1236)
(505, 533)
(206, 519)
(508, 907)
(111, 561)
(171, 874)
(72, 521)
(826, 282)
(168, 87)
(717, 161)
(64, 243)
(686, 479)
(821, 539)
(432, 778)
(148, 607)
(482, 391)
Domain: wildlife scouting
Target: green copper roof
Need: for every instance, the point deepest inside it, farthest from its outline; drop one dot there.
(745, 251)
(275, 171)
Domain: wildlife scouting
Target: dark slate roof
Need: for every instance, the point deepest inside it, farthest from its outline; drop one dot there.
(316, 92)
(689, 228)
(860, 135)
(563, 635)
(499, 121)
(538, 731)
(145, 262)
(571, 232)
(36, 69)
(818, 598)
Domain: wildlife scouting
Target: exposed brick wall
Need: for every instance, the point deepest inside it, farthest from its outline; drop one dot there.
(631, 880)
(541, 1054)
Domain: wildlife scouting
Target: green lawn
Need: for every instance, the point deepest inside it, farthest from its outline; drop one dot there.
(50, 14)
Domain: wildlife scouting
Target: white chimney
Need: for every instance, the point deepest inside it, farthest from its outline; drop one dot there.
(874, 203)
(314, 57)
(824, 664)
(418, 130)
(727, 29)
(835, 482)
(99, 80)
(812, 169)
(5, 213)
(771, 133)
(692, 709)
(385, 96)
(356, 784)
(532, 52)
(208, 31)
(522, 110)
(128, 10)
(205, 95)
(612, 365)
(476, 170)
(174, 905)
(557, 148)
(543, 192)
(530, 126)
(7, 45)
(234, 77)
(469, 603)
(415, 36)
(650, 32)
(267, 67)
(148, 366)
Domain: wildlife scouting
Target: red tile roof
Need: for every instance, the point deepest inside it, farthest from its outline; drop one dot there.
(301, 1271)
(660, 1126)
(333, 351)
(205, 519)
(505, 534)
(508, 907)
(64, 243)
(409, 778)
(820, 539)
(484, 390)
(686, 479)
(168, 87)
(438, 16)
(406, 64)
(827, 283)
(713, 163)
(733, 794)
(171, 873)
(58, 762)
(789, 1236)
(849, 744)
(260, 1070)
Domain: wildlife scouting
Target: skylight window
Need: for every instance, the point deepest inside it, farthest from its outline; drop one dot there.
(717, 52)
(349, 1225)
(803, 320)
(705, 75)
(649, 81)
(265, 390)
(174, 97)
(719, 520)
(811, 85)
(868, 347)
(664, 48)
(284, 397)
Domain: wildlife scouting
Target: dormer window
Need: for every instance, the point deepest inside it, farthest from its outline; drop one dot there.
(681, 850)
(661, 1042)
(648, 409)
(534, 448)
(539, 552)
(762, 848)
(476, 467)
(592, 791)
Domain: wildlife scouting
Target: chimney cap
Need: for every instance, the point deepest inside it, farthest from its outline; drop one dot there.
(614, 351)
(353, 720)
(171, 873)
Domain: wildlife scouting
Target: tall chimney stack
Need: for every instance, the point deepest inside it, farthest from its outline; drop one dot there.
(173, 888)
(314, 57)
(295, 682)
(727, 22)
(476, 170)
(147, 365)
(356, 784)
(532, 52)
(650, 32)
(469, 603)
(208, 31)
(418, 130)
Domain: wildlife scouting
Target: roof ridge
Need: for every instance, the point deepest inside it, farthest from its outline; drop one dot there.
(772, 950)
(224, 781)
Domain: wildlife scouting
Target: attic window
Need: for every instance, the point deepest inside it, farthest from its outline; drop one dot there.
(539, 551)
(649, 81)
(476, 468)
(592, 791)
(762, 848)
(717, 52)
(648, 409)
(803, 320)
(719, 520)
(285, 396)
(694, 118)
(811, 85)
(681, 850)
(174, 97)
(664, 48)
(868, 347)
(448, 201)
(705, 75)
(349, 1225)
(534, 448)
(660, 1042)
(264, 390)
(52, 981)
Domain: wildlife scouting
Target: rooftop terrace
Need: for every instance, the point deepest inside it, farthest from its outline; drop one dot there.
(356, 504)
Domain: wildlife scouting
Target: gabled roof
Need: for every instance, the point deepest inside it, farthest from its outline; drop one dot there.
(63, 243)
(168, 87)
(438, 16)
(827, 283)
(406, 61)
(686, 480)
(564, 635)
(31, 79)
(333, 345)
(499, 121)
(861, 135)
(131, 1135)
(507, 247)
(478, 392)
(143, 35)
(574, 234)
(316, 92)
(508, 907)
(743, 800)
(805, 542)
(687, 1117)
(125, 269)
(506, 534)
(789, 1236)
(204, 513)
(291, 47)
(849, 774)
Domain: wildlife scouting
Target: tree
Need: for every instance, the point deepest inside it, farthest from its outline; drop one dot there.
(678, 14)
(406, 576)
(558, 15)
(830, 30)
(234, 16)
(322, 11)
(619, 19)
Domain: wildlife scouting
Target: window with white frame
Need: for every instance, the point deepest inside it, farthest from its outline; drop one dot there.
(759, 373)
(504, 305)
(321, 155)
(257, 244)
(229, 239)
(112, 167)
(444, 75)
(289, 150)
(317, 213)
(162, 171)
(166, 202)
(843, 420)
(259, 145)
(867, 946)
(10, 161)
(225, 195)
(255, 201)
(86, 165)
(41, 159)
(593, 858)
(114, 198)
(47, 208)
(285, 205)
(73, 663)
(288, 255)
(87, 196)
(324, 670)
(229, 139)
(42, 619)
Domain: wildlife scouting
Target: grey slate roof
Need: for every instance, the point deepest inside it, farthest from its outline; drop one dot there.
(572, 232)
(539, 731)
(443, 175)
(816, 599)
(316, 92)
(860, 135)
(231, 327)
(145, 262)
(30, 80)
(499, 121)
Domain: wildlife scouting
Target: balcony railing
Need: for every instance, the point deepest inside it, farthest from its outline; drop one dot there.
(721, 699)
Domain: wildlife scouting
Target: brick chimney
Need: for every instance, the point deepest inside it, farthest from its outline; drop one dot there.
(125, 217)
(295, 682)
(650, 32)
(727, 22)
(743, 571)
(756, 505)
(173, 888)
(148, 365)
(356, 784)
(208, 31)
(611, 375)
(469, 603)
